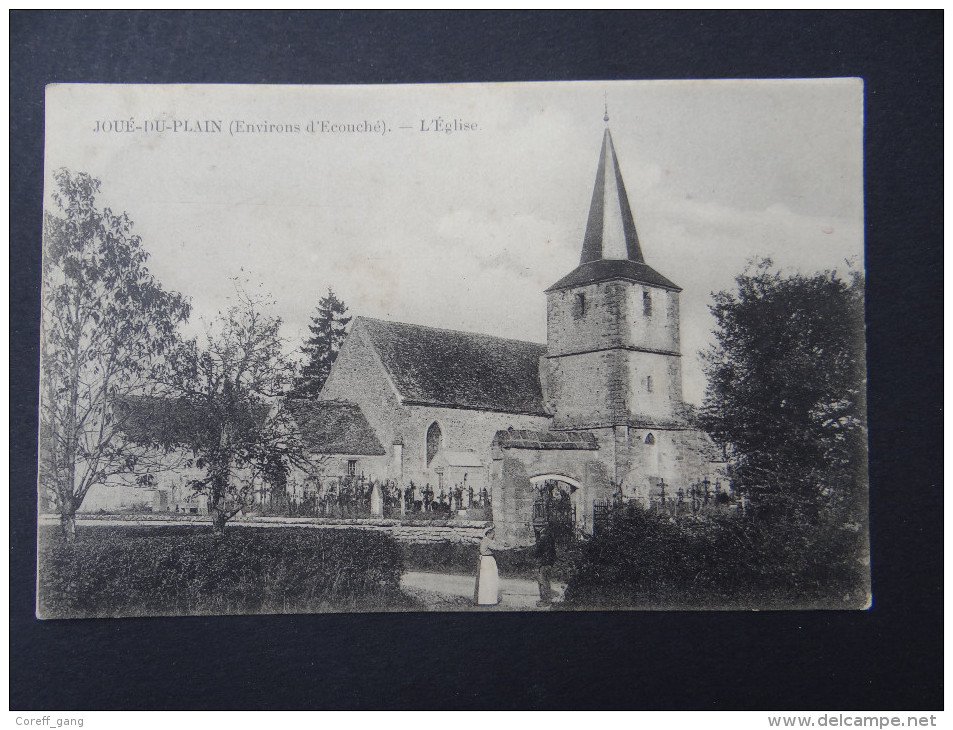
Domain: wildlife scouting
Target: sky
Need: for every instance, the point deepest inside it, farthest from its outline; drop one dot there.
(369, 194)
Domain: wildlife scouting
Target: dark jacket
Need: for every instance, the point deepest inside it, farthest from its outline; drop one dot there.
(545, 547)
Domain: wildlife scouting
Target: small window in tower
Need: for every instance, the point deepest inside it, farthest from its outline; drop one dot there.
(352, 467)
(579, 307)
(646, 304)
(650, 440)
(648, 383)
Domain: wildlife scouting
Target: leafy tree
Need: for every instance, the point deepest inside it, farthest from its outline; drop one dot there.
(237, 424)
(786, 392)
(786, 399)
(328, 329)
(106, 323)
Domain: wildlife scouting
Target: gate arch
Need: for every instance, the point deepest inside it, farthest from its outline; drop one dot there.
(558, 501)
(539, 478)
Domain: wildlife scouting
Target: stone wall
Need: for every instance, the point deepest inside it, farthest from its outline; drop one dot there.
(614, 360)
(615, 315)
(587, 389)
(516, 473)
(681, 457)
(433, 532)
(336, 466)
(462, 430)
(658, 330)
(599, 324)
(660, 404)
(359, 376)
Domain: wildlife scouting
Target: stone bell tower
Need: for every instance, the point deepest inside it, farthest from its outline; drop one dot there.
(613, 355)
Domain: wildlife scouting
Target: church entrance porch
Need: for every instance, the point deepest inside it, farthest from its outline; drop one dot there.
(545, 476)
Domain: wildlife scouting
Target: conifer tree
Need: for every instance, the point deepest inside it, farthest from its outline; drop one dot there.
(328, 329)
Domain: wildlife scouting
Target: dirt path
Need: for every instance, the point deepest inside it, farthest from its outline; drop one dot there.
(450, 592)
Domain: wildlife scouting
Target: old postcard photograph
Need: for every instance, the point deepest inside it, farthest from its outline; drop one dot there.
(544, 346)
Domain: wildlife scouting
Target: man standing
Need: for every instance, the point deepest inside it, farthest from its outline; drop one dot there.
(545, 558)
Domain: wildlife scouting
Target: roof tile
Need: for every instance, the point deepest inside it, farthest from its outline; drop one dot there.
(459, 369)
(335, 427)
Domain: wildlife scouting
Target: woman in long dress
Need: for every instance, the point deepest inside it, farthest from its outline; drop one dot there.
(487, 590)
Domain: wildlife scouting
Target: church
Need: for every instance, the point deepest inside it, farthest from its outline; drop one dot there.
(596, 412)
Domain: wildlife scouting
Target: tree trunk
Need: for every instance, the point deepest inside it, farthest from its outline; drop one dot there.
(216, 507)
(68, 526)
(219, 519)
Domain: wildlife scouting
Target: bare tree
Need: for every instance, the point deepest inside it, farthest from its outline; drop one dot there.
(106, 323)
(240, 430)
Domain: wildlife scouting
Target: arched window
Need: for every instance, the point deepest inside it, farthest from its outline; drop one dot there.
(648, 383)
(650, 440)
(433, 441)
(646, 304)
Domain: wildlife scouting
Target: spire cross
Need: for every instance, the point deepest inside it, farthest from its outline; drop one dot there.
(605, 96)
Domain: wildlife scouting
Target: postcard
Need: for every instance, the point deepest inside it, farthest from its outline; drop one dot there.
(476, 347)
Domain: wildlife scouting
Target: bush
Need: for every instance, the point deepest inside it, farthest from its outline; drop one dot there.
(450, 557)
(641, 560)
(442, 557)
(139, 571)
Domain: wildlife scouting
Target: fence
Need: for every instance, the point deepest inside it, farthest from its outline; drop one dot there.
(347, 497)
(701, 499)
(557, 511)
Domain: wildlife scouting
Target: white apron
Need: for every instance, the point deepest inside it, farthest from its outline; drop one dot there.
(488, 582)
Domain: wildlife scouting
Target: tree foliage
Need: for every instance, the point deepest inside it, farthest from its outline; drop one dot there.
(641, 559)
(106, 323)
(232, 385)
(328, 329)
(179, 570)
(786, 389)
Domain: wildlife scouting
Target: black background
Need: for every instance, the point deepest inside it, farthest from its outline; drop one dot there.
(887, 658)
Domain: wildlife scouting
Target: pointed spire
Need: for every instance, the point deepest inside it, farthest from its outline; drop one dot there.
(610, 249)
(610, 230)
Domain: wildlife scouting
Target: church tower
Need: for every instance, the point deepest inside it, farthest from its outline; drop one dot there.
(613, 354)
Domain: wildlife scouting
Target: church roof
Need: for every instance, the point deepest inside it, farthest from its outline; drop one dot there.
(610, 248)
(439, 367)
(608, 269)
(546, 440)
(335, 427)
(154, 420)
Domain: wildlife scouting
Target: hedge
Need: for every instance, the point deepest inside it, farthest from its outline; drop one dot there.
(143, 571)
(647, 561)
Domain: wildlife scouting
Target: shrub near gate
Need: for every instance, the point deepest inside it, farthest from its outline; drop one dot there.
(177, 571)
(645, 560)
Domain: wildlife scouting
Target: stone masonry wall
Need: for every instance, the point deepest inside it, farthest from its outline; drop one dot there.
(660, 404)
(601, 356)
(359, 376)
(658, 330)
(514, 471)
(461, 430)
(588, 390)
(457, 532)
(681, 457)
(570, 330)
(615, 316)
